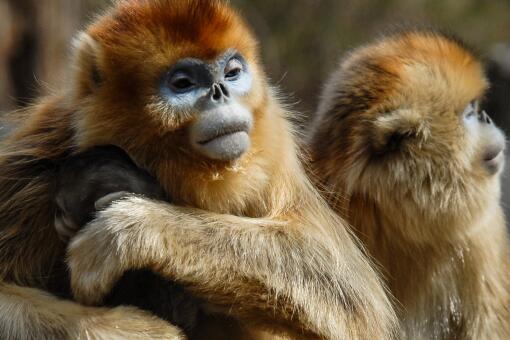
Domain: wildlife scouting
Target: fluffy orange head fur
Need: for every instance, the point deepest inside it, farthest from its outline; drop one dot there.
(121, 59)
(391, 128)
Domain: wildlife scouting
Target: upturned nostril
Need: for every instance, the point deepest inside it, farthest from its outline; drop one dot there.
(224, 90)
(486, 118)
(216, 93)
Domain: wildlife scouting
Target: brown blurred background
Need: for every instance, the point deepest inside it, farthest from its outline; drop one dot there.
(301, 41)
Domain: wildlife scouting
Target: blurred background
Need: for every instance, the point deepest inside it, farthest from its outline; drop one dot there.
(301, 42)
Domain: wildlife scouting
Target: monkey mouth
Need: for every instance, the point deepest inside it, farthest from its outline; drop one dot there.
(222, 134)
(226, 143)
(226, 146)
(494, 160)
(225, 133)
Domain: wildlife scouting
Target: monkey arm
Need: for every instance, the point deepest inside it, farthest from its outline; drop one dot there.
(275, 269)
(28, 313)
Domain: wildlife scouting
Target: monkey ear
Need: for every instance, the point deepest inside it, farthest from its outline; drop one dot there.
(396, 129)
(87, 74)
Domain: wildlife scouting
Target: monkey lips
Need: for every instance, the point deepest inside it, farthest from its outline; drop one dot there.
(223, 132)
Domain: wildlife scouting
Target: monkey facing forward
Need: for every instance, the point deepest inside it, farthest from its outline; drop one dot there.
(179, 87)
(414, 165)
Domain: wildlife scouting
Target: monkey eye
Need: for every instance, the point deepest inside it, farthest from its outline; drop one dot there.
(181, 82)
(233, 69)
(471, 110)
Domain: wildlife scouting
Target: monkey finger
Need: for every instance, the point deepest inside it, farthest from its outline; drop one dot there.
(105, 201)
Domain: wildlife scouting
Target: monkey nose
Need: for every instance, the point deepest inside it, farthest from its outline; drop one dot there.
(219, 93)
(484, 118)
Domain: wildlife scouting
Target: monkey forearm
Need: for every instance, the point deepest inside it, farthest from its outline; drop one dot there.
(28, 313)
(272, 266)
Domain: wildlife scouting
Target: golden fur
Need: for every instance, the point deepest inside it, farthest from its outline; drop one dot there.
(390, 146)
(252, 238)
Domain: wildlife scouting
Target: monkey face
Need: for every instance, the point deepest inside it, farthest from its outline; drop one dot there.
(173, 78)
(211, 92)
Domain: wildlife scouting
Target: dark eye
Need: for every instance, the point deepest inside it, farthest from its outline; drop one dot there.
(181, 82)
(471, 110)
(233, 69)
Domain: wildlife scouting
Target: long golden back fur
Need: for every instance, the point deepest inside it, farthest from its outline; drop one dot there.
(389, 145)
(26, 200)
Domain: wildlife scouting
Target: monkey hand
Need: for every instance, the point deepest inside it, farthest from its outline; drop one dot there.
(116, 241)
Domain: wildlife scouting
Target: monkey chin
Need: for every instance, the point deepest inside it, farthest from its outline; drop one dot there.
(226, 147)
(223, 133)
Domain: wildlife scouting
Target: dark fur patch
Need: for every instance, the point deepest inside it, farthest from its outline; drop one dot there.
(164, 298)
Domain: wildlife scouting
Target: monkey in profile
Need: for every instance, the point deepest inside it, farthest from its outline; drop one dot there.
(178, 86)
(414, 165)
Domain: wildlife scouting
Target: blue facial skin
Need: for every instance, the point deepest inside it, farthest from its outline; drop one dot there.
(210, 91)
(203, 76)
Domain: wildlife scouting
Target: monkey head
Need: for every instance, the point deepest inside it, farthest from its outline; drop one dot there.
(176, 84)
(402, 122)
